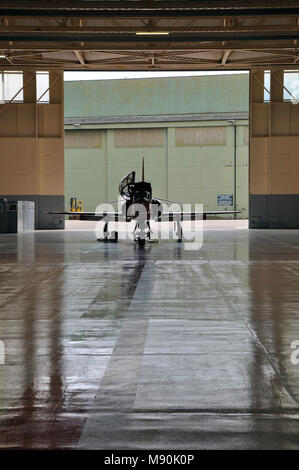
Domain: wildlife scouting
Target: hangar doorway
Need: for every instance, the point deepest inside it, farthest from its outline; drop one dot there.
(32, 134)
(191, 127)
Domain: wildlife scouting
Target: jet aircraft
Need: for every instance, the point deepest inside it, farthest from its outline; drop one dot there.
(137, 203)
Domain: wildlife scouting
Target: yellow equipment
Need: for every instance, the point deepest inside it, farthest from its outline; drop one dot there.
(76, 205)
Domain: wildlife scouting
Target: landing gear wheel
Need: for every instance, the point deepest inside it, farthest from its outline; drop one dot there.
(113, 238)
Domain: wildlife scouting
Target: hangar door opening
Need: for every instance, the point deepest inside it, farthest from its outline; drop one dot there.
(190, 127)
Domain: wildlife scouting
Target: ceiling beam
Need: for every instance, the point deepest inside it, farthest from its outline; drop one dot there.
(80, 57)
(93, 38)
(120, 48)
(149, 9)
(144, 4)
(147, 66)
(225, 56)
(133, 29)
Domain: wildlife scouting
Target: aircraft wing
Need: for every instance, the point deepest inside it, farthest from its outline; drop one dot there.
(109, 216)
(171, 216)
(119, 217)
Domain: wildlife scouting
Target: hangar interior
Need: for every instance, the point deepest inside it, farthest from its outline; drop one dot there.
(107, 346)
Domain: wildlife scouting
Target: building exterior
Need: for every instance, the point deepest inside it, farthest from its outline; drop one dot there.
(192, 132)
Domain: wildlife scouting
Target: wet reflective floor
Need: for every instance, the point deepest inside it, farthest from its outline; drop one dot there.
(109, 346)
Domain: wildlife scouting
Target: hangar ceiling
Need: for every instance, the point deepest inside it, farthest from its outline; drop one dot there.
(148, 35)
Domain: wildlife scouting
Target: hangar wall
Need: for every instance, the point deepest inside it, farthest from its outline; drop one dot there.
(274, 162)
(180, 125)
(32, 149)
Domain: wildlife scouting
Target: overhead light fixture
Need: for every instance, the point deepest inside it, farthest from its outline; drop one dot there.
(2, 56)
(152, 33)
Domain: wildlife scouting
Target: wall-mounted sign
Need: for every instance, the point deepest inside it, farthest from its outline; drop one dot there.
(225, 200)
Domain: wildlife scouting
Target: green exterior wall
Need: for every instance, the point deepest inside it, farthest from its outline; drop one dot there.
(174, 95)
(190, 174)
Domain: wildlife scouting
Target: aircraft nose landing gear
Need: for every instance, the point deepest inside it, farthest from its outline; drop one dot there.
(140, 241)
(143, 234)
(111, 237)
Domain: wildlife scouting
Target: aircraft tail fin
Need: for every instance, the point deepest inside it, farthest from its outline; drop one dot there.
(142, 168)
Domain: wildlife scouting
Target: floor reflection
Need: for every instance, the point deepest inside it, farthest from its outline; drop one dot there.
(188, 346)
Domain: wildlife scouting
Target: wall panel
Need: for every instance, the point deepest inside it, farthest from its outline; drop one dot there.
(274, 161)
(18, 173)
(51, 167)
(32, 150)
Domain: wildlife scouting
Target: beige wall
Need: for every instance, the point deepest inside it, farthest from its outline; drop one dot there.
(32, 142)
(274, 162)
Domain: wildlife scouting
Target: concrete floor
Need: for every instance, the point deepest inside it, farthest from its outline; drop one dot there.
(109, 346)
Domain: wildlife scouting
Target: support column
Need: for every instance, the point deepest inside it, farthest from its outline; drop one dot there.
(32, 150)
(274, 162)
